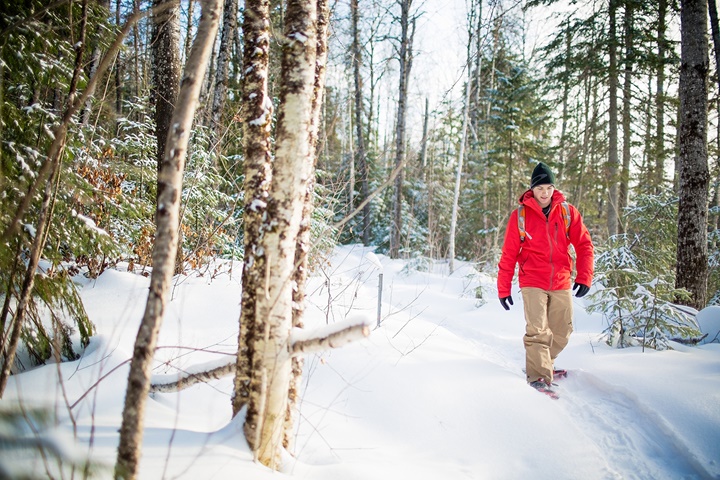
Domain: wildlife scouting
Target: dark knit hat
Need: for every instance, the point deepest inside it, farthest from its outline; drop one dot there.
(542, 175)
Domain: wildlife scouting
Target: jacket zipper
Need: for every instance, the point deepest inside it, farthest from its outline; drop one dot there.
(552, 249)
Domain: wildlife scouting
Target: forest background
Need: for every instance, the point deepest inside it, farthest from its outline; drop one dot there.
(432, 116)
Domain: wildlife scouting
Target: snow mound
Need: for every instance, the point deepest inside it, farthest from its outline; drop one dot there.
(708, 320)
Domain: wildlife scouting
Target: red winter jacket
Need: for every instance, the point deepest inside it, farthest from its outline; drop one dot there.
(543, 257)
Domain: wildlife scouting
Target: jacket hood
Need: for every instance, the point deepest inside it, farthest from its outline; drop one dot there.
(528, 198)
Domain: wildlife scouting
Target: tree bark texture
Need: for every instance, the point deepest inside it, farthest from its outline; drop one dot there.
(165, 248)
(271, 365)
(715, 32)
(165, 52)
(256, 112)
(303, 246)
(694, 176)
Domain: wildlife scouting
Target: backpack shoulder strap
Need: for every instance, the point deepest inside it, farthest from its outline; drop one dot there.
(564, 206)
(566, 215)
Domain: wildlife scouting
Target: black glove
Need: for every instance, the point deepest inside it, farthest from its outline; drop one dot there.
(505, 300)
(581, 289)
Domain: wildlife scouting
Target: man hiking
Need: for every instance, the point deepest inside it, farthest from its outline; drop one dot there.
(537, 239)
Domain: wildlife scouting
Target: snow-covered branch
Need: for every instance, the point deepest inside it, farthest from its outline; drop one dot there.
(331, 336)
(300, 342)
(175, 383)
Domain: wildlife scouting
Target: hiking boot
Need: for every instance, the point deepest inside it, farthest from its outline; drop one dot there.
(541, 384)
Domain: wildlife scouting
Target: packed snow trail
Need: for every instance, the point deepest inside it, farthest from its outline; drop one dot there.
(636, 441)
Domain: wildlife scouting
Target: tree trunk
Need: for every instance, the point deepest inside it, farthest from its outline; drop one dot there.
(694, 177)
(492, 241)
(223, 66)
(715, 31)
(715, 34)
(405, 58)
(458, 177)
(165, 53)
(360, 151)
(612, 205)
(189, 29)
(271, 362)
(626, 114)
(167, 218)
(659, 150)
(94, 63)
(257, 122)
(118, 68)
(461, 151)
(136, 55)
(303, 245)
(565, 96)
(427, 179)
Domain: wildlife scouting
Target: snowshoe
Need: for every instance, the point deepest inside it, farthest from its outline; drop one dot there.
(541, 386)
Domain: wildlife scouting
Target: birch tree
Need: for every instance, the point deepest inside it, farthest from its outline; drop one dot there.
(303, 245)
(405, 57)
(166, 243)
(463, 142)
(271, 362)
(692, 255)
(277, 218)
(257, 121)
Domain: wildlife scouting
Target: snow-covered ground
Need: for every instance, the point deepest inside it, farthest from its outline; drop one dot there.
(437, 391)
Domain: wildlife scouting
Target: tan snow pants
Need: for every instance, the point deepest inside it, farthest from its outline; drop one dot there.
(548, 318)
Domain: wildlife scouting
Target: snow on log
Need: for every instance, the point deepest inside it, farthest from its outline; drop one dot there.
(201, 374)
(330, 336)
(301, 341)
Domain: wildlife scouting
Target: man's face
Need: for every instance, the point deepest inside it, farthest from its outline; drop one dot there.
(543, 194)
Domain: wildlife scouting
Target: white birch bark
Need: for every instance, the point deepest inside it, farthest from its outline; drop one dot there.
(271, 369)
(458, 176)
(257, 113)
(461, 153)
(302, 249)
